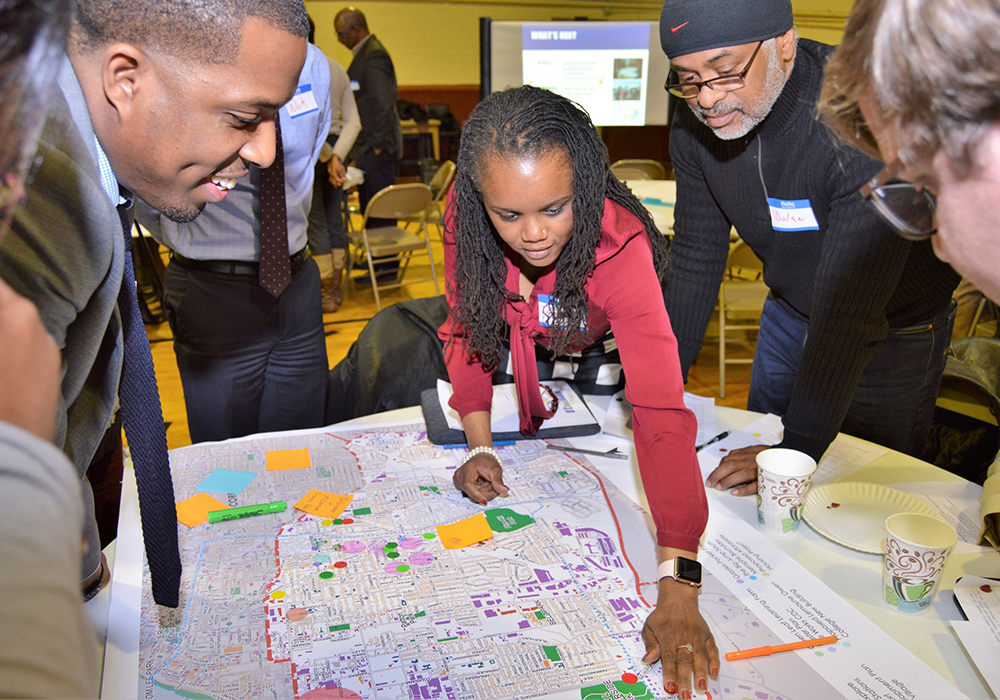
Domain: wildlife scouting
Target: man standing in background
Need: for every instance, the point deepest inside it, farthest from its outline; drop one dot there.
(373, 79)
(246, 317)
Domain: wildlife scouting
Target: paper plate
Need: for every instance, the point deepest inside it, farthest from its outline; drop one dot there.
(853, 514)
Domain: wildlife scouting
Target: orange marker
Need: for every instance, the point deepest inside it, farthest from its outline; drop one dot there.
(767, 651)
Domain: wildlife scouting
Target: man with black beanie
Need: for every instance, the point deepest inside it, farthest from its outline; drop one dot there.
(854, 331)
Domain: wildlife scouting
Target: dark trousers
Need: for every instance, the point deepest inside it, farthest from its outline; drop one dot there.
(380, 172)
(248, 362)
(327, 227)
(894, 402)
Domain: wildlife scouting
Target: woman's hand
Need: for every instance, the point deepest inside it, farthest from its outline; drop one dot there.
(481, 479)
(674, 624)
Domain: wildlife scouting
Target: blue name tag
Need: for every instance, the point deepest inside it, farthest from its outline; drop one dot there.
(304, 102)
(792, 215)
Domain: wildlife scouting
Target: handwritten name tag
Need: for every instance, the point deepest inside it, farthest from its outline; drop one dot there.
(792, 215)
(303, 102)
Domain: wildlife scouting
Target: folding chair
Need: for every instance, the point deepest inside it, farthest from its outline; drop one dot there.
(741, 302)
(385, 243)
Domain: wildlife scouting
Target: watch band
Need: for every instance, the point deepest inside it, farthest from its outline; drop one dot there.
(668, 569)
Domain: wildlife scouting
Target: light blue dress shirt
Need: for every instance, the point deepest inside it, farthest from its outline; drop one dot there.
(230, 229)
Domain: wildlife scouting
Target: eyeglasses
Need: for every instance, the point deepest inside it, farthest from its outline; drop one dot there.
(724, 83)
(906, 208)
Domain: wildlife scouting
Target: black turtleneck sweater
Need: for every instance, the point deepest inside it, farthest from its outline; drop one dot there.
(852, 279)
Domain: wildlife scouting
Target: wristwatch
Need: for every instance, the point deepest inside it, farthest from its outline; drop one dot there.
(681, 569)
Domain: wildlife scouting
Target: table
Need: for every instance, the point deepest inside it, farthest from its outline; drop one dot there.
(658, 196)
(431, 127)
(852, 575)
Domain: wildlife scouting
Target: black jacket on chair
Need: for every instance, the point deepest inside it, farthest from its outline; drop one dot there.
(373, 80)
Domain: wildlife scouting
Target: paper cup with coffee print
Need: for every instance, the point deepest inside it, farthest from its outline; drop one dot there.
(916, 549)
(783, 479)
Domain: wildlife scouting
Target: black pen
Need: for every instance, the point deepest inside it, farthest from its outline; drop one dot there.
(718, 437)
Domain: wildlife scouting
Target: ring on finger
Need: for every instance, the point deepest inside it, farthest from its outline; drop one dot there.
(686, 646)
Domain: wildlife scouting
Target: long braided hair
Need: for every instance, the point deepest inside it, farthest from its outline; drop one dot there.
(513, 124)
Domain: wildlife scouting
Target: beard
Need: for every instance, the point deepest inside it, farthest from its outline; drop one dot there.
(749, 114)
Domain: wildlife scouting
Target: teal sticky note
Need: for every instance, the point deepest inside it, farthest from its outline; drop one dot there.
(226, 481)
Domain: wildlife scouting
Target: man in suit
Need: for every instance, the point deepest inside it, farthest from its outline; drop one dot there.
(380, 144)
(151, 104)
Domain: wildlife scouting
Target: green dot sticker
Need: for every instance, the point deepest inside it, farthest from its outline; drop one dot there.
(392, 545)
(326, 574)
(402, 568)
(429, 535)
(338, 521)
(392, 555)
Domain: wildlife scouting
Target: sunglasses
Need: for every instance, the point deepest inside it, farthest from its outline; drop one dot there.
(908, 209)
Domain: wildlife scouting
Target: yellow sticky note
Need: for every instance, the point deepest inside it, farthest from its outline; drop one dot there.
(323, 504)
(287, 459)
(194, 511)
(465, 532)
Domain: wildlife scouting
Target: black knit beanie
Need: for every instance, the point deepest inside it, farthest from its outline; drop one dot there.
(689, 26)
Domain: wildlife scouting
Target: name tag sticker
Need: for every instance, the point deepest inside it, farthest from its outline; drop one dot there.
(546, 310)
(355, 85)
(303, 102)
(792, 215)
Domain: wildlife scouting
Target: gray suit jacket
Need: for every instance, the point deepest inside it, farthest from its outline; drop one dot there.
(65, 252)
(376, 95)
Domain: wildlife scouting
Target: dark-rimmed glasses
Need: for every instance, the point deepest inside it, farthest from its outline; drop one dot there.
(723, 83)
(908, 209)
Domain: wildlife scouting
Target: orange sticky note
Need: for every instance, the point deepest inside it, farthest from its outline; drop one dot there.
(194, 511)
(465, 532)
(323, 504)
(287, 459)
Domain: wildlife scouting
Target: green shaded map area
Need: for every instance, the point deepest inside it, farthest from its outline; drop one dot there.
(636, 691)
(507, 520)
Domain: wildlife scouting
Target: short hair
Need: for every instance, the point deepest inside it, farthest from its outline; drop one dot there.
(209, 30)
(529, 121)
(353, 16)
(32, 40)
(934, 67)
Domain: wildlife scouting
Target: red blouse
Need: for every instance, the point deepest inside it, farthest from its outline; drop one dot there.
(623, 294)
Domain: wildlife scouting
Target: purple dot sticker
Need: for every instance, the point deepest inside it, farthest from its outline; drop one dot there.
(410, 543)
(353, 546)
(393, 569)
(421, 558)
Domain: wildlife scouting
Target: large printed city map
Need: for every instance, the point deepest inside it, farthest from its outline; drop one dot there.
(371, 605)
(549, 602)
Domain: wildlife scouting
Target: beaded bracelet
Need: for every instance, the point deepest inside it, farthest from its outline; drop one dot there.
(483, 451)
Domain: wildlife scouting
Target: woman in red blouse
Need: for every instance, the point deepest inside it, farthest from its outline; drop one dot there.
(543, 245)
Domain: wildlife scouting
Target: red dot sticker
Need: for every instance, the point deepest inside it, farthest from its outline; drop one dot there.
(340, 565)
(347, 521)
(986, 588)
(630, 678)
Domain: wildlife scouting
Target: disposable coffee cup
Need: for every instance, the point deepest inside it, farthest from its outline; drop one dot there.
(783, 479)
(917, 547)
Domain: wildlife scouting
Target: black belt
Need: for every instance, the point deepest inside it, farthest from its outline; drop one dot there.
(235, 267)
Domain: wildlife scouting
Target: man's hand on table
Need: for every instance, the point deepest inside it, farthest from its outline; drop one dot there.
(674, 624)
(738, 471)
(481, 479)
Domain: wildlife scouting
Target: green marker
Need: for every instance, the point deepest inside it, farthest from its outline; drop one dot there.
(217, 516)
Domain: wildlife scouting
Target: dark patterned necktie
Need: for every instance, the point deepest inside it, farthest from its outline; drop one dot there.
(275, 267)
(142, 418)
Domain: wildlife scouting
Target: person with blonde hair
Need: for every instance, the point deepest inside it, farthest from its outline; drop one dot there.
(916, 83)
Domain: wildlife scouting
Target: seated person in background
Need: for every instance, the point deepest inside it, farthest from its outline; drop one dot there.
(541, 238)
(854, 333)
(936, 123)
(47, 643)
